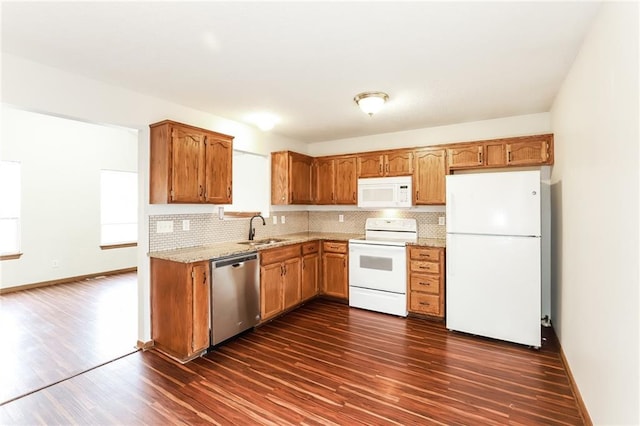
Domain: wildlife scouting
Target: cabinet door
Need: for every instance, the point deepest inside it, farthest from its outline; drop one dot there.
(398, 163)
(526, 153)
(465, 156)
(300, 178)
(187, 165)
(270, 290)
(219, 158)
(309, 286)
(335, 275)
(346, 180)
(370, 165)
(494, 154)
(200, 302)
(325, 171)
(279, 178)
(291, 282)
(429, 176)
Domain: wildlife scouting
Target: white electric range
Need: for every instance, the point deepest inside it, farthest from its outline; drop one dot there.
(378, 265)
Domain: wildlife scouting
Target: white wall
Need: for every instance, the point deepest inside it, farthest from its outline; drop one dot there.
(37, 87)
(61, 161)
(595, 192)
(521, 125)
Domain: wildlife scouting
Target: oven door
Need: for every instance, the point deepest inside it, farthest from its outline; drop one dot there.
(378, 267)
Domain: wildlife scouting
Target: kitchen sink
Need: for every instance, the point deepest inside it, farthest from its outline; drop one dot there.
(263, 242)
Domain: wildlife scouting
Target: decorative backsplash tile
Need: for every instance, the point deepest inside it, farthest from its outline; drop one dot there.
(354, 221)
(207, 229)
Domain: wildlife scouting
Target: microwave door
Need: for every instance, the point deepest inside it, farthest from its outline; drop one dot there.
(376, 195)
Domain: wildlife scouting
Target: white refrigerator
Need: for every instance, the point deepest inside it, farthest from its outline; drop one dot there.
(494, 254)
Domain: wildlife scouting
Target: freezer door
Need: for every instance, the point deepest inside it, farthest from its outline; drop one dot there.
(493, 287)
(505, 203)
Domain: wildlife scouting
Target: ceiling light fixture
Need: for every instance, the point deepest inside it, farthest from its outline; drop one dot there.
(265, 121)
(371, 102)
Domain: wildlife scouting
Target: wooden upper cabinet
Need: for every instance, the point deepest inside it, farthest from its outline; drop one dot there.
(465, 156)
(324, 176)
(219, 157)
(392, 163)
(530, 150)
(346, 180)
(398, 163)
(189, 164)
(291, 178)
(370, 165)
(336, 180)
(429, 176)
(508, 152)
(187, 160)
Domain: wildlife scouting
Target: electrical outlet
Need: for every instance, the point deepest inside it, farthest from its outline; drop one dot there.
(164, 226)
(441, 220)
(55, 263)
(186, 224)
(282, 220)
(275, 219)
(340, 218)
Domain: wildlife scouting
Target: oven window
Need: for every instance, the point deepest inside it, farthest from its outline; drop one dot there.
(378, 263)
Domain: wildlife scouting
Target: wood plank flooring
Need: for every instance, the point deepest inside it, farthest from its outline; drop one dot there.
(52, 333)
(322, 364)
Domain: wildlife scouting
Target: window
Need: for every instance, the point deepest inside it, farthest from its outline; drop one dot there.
(118, 207)
(10, 189)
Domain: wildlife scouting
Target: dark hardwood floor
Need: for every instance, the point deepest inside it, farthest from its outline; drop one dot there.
(321, 364)
(51, 333)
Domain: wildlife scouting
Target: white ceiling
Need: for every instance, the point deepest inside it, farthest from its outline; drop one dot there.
(440, 62)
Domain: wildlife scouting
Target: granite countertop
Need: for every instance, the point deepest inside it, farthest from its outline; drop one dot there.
(431, 242)
(214, 251)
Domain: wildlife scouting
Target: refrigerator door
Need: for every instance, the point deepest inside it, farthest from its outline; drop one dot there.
(505, 203)
(493, 287)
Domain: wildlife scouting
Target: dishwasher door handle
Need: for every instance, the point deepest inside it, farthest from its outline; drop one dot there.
(238, 265)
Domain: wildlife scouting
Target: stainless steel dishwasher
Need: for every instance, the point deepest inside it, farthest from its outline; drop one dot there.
(235, 295)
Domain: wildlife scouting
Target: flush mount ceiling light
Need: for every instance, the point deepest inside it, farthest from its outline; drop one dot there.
(371, 102)
(265, 121)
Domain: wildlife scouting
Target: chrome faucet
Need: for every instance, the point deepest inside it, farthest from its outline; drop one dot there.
(252, 230)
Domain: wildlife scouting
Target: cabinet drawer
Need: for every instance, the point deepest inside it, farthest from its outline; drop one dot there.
(279, 254)
(429, 267)
(424, 303)
(426, 283)
(424, 253)
(308, 248)
(334, 247)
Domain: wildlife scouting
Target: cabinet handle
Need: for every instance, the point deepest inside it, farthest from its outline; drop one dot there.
(354, 196)
(387, 167)
(201, 191)
(417, 195)
(426, 284)
(332, 196)
(479, 157)
(423, 267)
(281, 270)
(229, 192)
(425, 303)
(425, 255)
(302, 263)
(380, 168)
(508, 156)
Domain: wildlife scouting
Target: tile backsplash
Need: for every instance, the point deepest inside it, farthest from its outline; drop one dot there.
(207, 229)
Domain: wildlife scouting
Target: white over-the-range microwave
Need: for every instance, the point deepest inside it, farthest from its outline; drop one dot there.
(385, 192)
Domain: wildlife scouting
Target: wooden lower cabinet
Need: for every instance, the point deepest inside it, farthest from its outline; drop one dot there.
(335, 269)
(280, 276)
(180, 303)
(426, 272)
(310, 270)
